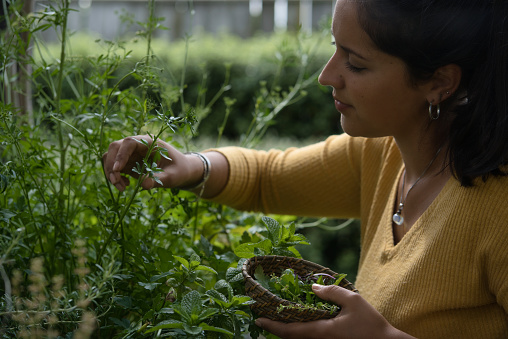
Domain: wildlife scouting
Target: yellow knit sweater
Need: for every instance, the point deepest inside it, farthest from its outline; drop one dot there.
(446, 278)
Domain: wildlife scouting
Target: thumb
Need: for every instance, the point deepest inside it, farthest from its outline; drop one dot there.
(148, 183)
(333, 293)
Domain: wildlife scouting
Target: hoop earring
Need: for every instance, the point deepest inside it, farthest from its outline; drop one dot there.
(431, 114)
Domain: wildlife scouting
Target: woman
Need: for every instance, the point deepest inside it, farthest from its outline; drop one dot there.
(421, 86)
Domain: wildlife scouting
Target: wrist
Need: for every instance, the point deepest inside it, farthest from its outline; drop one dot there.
(205, 171)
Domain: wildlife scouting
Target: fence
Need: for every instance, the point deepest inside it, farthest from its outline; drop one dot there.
(110, 18)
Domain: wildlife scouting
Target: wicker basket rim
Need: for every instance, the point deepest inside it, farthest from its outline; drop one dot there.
(247, 276)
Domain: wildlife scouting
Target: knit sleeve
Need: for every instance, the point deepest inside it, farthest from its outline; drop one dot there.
(317, 180)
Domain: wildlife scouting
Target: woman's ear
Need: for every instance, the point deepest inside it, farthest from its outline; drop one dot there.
(444, 82)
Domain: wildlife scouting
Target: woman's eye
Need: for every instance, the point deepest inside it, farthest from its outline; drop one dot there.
(352, 68)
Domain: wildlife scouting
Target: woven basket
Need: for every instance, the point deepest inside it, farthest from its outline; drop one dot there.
(267, 303)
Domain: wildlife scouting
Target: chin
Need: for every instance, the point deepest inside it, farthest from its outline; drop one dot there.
(350, 129)
(358, 130)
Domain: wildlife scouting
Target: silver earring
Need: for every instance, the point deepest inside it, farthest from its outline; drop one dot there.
(431, 114)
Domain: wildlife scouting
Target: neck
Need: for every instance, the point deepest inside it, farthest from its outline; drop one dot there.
(417, 155)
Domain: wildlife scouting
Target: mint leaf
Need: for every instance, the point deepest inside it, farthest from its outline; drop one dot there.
(274, 230)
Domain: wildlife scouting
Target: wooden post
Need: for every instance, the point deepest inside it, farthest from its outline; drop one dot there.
(306, 15)
(19, 91)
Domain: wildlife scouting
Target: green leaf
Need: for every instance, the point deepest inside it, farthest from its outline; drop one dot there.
(241, 300)
(183, 261)
(149, 286)
(141, 141)
(194, 264)
(195, 257)
(223, 284)
(124, 301)
(5, 215)
(274, 230)
(288, 231)
(158, 276)
(339, 278)
(194, 330)
(298, 239)
(207, 313)
(261, 278)
(217, 296)
(205, 268)
(234, 274)
(214, 329)
(164, 254)
(124, 323)
(285, 252)
(294, 252)
(4, 182)
(191, 302)
(206, 246)
(166, 324)
(249, 250)
(157, 180)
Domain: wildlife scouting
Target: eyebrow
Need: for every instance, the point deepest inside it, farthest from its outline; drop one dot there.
(350, 51)
(347, 49)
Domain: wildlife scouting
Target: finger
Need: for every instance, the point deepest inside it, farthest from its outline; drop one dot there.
(149, 183)
(129, 146)
(122, 184)
(308, 330)
(333, 293)
(108, 159)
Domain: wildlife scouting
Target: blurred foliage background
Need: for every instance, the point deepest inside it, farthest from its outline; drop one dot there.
(250, 62)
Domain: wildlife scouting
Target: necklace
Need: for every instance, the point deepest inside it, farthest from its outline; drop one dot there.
(397, 217)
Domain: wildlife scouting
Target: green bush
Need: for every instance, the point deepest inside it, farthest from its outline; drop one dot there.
(78, 258)
(249, 65)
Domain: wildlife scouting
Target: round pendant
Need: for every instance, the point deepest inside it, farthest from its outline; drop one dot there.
(398, 219)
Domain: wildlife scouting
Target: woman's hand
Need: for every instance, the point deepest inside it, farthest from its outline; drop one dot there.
(357, 319)
(180, 170)
(122, 156)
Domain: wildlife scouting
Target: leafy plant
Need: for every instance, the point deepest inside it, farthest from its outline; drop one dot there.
(277, 240)
(79, 258)
(298, 289)
(192, 316)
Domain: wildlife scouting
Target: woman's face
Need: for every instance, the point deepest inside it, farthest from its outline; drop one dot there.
(371, 88)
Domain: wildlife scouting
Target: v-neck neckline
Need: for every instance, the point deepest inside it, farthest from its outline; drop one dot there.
(415, 228)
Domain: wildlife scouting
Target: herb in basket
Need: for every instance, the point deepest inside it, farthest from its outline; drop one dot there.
(298, 289)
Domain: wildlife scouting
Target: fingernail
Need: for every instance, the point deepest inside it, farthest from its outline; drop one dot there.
(115, 166)
(259, 323)
(112, 178)
(316, 287)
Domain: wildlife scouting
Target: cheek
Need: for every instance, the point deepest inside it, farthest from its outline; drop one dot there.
(368, 94)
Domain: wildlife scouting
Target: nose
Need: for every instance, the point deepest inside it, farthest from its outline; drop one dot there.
(330, 75)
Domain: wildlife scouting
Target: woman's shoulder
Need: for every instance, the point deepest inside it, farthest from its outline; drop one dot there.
(485, 200)
(359, 145)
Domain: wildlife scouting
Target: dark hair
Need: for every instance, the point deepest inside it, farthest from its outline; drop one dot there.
(473, 34)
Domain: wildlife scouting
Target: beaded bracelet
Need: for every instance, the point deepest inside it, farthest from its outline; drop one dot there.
(207, 167)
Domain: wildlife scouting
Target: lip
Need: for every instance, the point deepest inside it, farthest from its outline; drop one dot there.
(340, 106)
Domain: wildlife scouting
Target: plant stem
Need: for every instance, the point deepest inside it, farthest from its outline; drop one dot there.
(58, 98)
(131, 199)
